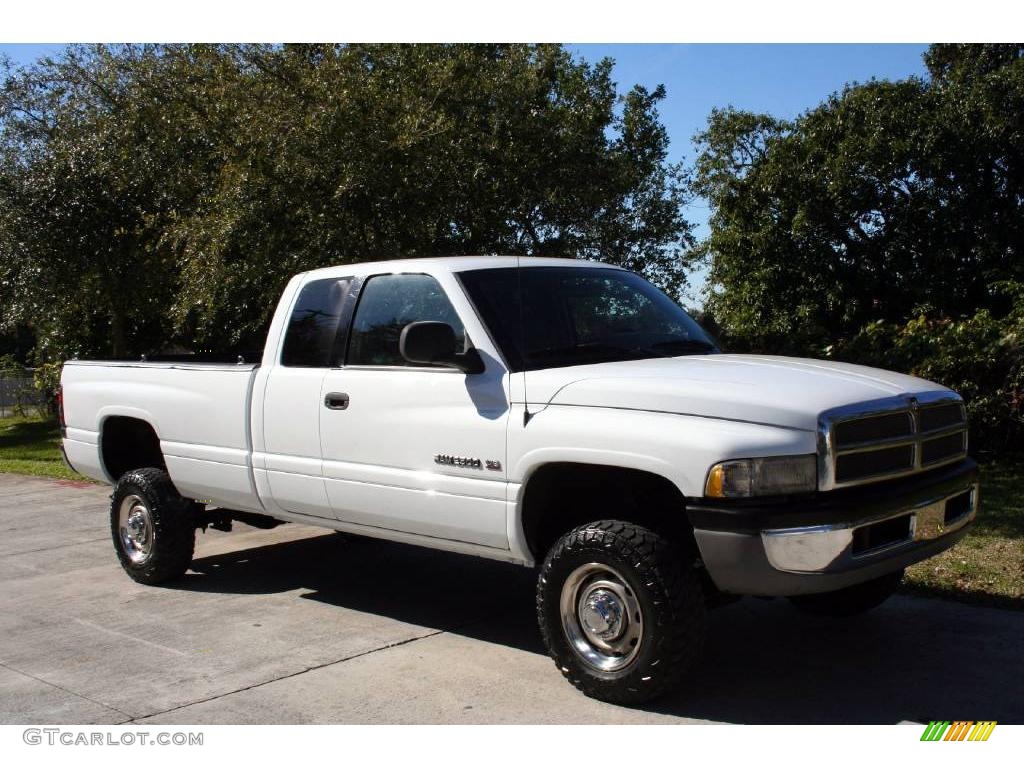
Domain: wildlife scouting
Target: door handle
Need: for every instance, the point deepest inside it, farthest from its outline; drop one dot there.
(336, 401)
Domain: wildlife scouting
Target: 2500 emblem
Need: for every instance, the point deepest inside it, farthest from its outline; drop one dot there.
(458, 461)
(462, 461)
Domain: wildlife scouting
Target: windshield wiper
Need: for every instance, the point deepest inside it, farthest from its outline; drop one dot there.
(596, 348)
(686, 346)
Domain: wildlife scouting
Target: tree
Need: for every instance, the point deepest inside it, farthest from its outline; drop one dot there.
(166, 193)
(80, 207)
(888, 200)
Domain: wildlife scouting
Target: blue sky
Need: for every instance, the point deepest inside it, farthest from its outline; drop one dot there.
(783, 80)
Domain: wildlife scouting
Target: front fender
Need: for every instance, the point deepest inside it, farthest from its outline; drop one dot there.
(680, 448)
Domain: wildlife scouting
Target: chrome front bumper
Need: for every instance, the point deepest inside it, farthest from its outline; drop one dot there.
(833, 540)
(833, 548)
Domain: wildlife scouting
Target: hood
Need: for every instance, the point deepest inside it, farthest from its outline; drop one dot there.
(781, 391)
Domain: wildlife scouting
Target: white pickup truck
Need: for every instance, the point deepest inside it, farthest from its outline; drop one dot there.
(555, 413)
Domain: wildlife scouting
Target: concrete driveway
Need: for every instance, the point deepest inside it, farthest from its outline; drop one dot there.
(300, 625)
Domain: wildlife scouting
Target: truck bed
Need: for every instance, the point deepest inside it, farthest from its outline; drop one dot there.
(199, 410)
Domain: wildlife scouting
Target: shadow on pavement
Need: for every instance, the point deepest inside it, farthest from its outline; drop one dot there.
(911, 659)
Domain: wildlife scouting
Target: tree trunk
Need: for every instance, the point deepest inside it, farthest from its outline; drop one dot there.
(117, 339)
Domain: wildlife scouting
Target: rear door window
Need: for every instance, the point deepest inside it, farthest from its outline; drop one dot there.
(315, 334)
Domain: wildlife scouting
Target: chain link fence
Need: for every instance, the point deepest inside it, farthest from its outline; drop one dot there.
(18, 396)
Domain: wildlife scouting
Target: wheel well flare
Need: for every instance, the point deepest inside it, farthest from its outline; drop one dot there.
(560, 496)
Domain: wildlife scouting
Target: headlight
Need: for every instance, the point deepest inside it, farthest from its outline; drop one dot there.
(769, 476)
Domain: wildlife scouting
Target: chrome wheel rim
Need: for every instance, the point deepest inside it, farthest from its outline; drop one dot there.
(601, 617)
(135, 528)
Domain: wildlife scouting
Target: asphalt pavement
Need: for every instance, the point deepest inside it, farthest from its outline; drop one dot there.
(302, 625)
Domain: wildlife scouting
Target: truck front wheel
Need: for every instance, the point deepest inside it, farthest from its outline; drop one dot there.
(152, 526)
(621, 611)
(851, 601)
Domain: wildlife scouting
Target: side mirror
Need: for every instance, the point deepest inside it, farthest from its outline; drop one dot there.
(432, 343)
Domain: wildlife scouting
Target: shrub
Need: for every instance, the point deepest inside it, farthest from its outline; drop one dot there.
(981, 357)
(46, 379)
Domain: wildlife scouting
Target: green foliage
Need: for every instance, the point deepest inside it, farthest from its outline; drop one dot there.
(889, 198)
(885, 227)
(981, 357)
(157, 194)
(80, 190)
(46, 379)
(10, 366)
(964, 61)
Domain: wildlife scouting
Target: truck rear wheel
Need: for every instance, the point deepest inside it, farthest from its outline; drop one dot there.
(621, 610)
(153, 527)
(851, 601)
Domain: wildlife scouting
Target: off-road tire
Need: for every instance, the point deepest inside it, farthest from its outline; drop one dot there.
(667, 588)
(173, 526)
(851, 601)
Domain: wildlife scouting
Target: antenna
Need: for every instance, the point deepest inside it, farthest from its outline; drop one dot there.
(522, 338)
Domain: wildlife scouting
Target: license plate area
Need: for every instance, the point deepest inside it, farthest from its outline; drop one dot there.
(834, 548)
(944, 516)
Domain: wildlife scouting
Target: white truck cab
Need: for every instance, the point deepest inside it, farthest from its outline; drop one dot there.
(550, 412)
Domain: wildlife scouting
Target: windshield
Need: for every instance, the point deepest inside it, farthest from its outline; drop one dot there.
(580, 315)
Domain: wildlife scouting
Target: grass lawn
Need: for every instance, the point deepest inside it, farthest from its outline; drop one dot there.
(30, 445)
(986, 567)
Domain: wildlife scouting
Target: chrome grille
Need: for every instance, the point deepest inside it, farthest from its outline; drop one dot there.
(941, 448)
(883, 427)
(935, 417)
(890, 438)
(851, 467)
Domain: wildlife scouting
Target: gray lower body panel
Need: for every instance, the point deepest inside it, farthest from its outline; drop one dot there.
(738, 564)
(835, 541)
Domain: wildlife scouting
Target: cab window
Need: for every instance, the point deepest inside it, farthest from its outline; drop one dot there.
(314, 328)
(387, 304)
